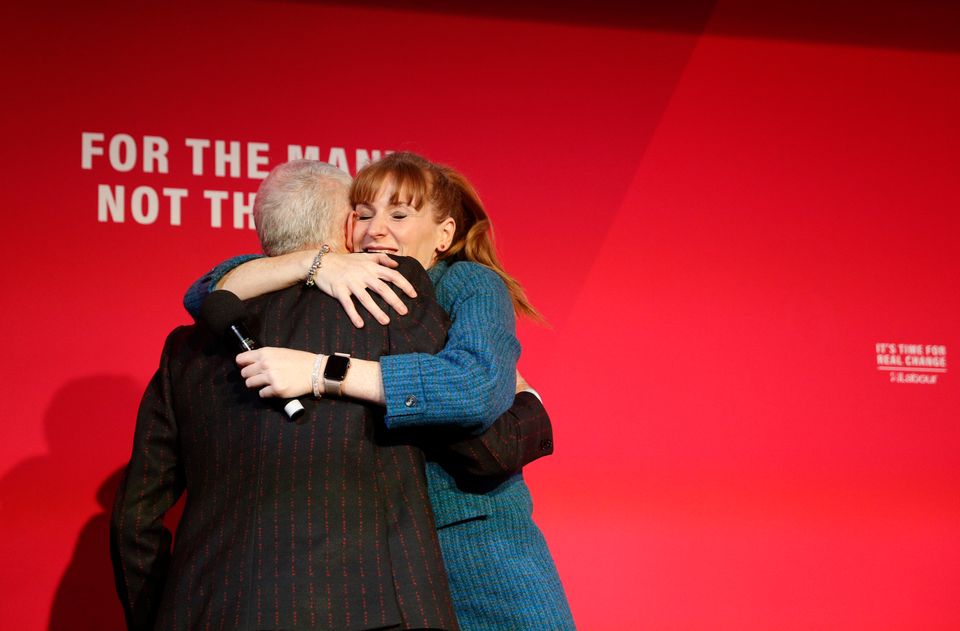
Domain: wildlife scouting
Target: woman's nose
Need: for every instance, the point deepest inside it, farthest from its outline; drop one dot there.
(378, 225)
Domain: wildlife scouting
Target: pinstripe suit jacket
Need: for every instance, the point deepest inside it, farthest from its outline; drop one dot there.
(319, 524)
(501, 573)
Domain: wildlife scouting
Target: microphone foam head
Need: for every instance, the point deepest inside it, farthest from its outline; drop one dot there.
(221, 309)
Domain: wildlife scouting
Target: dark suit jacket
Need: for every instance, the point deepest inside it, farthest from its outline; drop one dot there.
(319, 524)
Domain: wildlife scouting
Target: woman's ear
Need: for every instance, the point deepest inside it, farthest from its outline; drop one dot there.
(445, 231)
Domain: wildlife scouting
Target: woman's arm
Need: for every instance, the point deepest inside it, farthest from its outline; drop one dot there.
(288, 373)
(469, 383)
(473, 379)
(519, 436)
(343, 276)
(197, 293)
(263, 275)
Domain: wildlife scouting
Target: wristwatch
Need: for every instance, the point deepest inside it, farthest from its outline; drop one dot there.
(334, 373)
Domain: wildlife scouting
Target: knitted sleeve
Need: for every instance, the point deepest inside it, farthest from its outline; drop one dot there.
(472, 380)
(193, 299)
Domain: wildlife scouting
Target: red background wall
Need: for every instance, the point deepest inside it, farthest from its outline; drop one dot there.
(722, 207)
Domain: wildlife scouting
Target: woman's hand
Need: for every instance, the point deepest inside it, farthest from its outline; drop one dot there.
(345, 275)
(277, 372)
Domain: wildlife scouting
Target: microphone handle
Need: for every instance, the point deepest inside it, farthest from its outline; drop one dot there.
(292, 407)
(243, 338)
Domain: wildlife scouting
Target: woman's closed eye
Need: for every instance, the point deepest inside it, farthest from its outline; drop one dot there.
(400, 211)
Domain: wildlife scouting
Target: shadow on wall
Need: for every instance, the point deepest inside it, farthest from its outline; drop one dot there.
(46, 503)
(86, 597)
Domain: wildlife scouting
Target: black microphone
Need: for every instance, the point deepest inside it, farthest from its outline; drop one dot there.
(225, 314)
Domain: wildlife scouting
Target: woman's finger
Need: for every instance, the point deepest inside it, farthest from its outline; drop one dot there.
(370, 305)
(398, 279)
(383, 259)
(351, 310)
(389, 296)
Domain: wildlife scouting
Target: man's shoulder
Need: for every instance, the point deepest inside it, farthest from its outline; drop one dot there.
(290, 298)
(184, 336)
(305, 318)
(293, 308)
(190, 338)
(279, 298)
(187, 346)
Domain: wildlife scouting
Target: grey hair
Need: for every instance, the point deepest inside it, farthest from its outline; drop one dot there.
(301, 204)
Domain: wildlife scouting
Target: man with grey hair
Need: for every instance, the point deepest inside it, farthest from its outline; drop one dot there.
(300, 205)
(322, 523)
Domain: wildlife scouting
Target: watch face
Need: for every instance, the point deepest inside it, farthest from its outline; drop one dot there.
(336, 368)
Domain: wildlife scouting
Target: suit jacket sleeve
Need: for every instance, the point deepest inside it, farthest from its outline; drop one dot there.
(152, 483)
(518, 437)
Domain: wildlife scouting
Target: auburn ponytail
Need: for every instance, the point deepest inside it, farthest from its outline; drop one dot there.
(475, 242)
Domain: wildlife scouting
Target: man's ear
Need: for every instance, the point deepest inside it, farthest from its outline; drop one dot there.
(348, 237)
